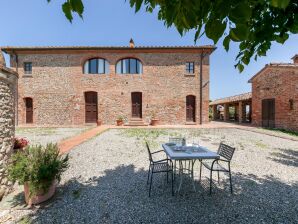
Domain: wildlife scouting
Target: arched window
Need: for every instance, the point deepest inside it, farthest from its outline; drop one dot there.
(96, 66)
(129, 66)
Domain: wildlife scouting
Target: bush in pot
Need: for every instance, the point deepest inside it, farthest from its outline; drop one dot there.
(38, 168)
(154, 119)
(120, 120)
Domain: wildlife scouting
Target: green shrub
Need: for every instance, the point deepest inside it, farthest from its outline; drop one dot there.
(210, 116)
(37, 165)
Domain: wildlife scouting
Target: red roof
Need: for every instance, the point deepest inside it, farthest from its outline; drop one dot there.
(231, 99)
(276, 65)
(8, 49)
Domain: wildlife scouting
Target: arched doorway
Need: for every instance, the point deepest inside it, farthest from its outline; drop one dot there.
(190, 108)
(29, 110)
(136, 103)
(91, 107)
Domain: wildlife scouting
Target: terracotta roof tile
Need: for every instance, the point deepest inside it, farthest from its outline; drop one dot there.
(231, 99)
(20, 48)
(283, 65)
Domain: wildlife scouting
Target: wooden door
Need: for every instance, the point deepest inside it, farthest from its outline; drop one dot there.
(29, 110)
(136, 103)
(91, 107)
(191, 108)
(268, 113)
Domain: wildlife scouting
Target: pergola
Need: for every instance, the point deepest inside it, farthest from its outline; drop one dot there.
(234, 108)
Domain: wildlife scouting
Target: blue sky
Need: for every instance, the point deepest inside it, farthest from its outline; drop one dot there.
(113, 23)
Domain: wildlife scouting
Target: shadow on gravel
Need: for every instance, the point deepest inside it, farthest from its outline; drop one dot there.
(287, 157)
(121, 196)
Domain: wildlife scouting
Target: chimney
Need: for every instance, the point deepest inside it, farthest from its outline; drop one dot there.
(131, 43)
(295, 59)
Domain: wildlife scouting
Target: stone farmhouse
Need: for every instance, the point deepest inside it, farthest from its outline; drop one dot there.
(65, 86)
(273, 101)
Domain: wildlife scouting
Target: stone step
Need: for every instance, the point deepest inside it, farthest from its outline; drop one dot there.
(136, 122)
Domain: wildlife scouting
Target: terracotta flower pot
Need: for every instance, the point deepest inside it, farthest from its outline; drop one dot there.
(99, 122)
(154, 122)
(40, 196)
(119, 122)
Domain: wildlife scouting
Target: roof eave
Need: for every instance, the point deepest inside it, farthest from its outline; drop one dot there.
(11, 49)
(259, 72)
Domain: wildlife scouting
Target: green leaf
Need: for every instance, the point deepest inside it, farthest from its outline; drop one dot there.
(214, 29)
(239, 33)
(77, 6)
(137, 4)
(198, 33)
(245, 59)
(241, 13)
(240, 67)
(226, 43)
(281, 39)
(66, 7)
(282, 4)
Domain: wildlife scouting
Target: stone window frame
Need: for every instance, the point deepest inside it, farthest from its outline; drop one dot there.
(28, 68)
(190, 67)
(139, 66)
(106, 68)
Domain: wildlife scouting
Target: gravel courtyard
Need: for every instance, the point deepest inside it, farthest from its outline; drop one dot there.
(106, 182)
(47, 135)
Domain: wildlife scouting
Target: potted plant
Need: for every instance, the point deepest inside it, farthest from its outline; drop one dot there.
(154, 120)
(120, 120)
(99, 122)
(38, 168)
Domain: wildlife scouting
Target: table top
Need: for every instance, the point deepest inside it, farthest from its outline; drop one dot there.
(189, 152)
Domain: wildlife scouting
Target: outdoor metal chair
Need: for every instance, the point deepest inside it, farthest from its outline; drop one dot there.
(226, 153)
(159, 166)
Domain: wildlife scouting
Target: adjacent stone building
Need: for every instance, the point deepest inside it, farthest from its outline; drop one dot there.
(234, 108)
(65, 86)
(275, 96)
(273, 102)
(8, 87)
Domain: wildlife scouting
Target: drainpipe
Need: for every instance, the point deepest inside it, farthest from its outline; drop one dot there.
(17, 92)
(201, 87)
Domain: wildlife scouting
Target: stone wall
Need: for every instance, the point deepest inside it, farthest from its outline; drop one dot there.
(279, 83)
(57, 86)
(8, 84)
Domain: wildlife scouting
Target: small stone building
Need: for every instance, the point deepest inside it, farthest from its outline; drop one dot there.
(273, 102)
(8, 88)
(275, 96)
(65, 86)
(234, 108)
